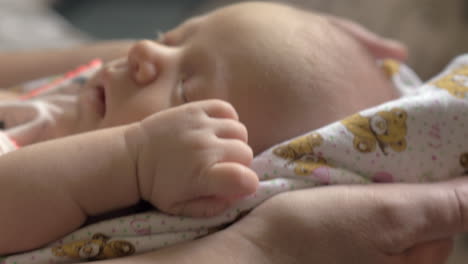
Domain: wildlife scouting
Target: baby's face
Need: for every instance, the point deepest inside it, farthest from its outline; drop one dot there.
(284, 72)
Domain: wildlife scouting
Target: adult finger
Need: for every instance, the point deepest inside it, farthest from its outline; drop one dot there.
(379, 47)
(412, 214)
(435, 252)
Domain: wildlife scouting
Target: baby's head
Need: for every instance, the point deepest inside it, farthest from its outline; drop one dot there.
(286, 71)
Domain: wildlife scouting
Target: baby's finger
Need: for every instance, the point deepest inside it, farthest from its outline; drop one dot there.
(234, 150)
(230, 129)
(219, 109)
(228, 180)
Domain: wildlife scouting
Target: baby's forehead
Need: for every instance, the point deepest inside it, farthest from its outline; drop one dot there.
(249, 17)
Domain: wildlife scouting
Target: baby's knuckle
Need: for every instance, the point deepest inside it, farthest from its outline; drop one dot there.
(235, 125)
(192, 109)
(224, 106)
(244, 150)
(202, 143)
(242, 129)
(248, 150)
(220, 103)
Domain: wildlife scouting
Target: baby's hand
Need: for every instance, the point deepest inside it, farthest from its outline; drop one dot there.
(193, 159)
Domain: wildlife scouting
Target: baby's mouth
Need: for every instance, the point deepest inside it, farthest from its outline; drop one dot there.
(101, 97)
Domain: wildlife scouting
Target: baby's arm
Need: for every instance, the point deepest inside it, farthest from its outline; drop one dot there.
(187, 160)
(48, 189)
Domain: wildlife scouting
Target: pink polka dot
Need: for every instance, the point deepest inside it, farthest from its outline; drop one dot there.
(140, 226)
(113, 230)
(382, 177)
(33, 257)
(455, 118)
(323, 174)
(377, 155)
(163, 222)
(348, 151)
(372, 162)
(434, 157)
(334, 145)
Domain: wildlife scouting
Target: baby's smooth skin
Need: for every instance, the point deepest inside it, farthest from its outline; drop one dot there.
(278, 66)
(283, 70)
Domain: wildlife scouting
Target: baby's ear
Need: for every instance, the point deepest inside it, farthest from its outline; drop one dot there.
(379, 47)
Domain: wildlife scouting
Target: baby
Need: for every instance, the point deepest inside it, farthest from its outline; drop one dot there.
(168, 123)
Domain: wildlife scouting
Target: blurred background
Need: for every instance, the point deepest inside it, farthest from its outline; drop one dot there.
(435, 31)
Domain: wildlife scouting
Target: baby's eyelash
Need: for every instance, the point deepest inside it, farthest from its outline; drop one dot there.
(160, 36)
(181, 91)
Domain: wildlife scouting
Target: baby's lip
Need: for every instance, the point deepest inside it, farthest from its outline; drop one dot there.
(100, 93)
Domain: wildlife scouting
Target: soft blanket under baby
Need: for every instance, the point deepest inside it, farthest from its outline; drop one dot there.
(418, 138)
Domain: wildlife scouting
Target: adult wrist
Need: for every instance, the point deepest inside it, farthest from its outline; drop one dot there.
(229, 247)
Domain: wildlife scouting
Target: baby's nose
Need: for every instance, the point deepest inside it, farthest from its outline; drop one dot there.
(142, 58)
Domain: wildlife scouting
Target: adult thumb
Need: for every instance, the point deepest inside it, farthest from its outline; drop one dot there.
(434, 252)
(421, 213)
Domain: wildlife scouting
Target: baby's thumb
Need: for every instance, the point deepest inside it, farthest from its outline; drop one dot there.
(229, 180)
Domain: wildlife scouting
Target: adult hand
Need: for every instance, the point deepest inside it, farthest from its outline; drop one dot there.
(385, 224)
(397, 223)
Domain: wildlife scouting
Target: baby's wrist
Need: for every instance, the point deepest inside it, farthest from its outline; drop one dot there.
(135, 139)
